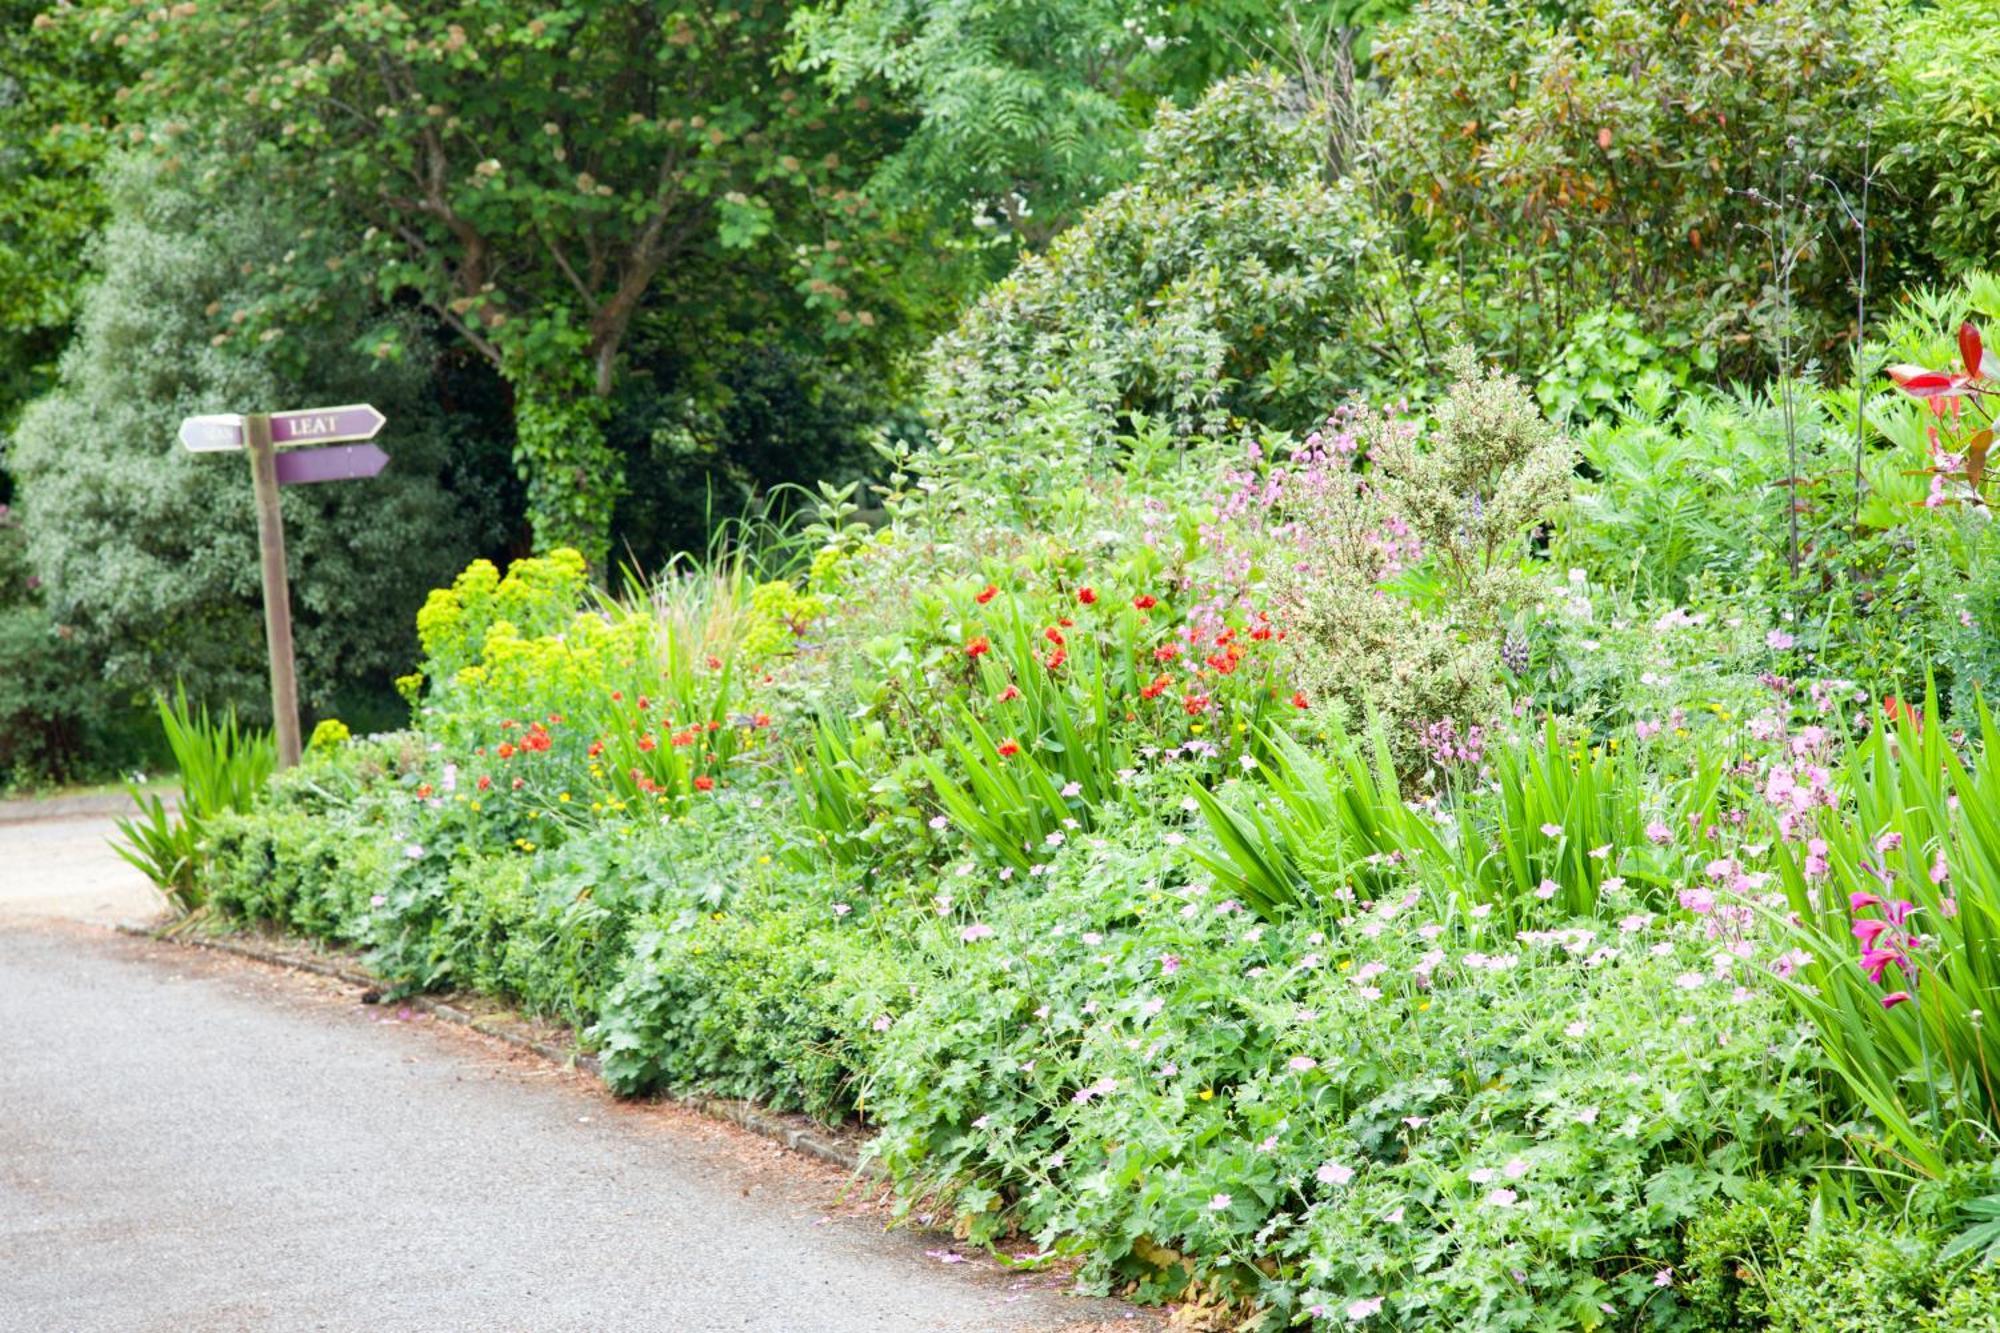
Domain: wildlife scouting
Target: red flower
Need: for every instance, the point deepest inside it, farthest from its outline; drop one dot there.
(1009, 748)
(507, 725)
(704, 783)
(683, 739)
(1195, 704)
(1066, 622)
(536, 739)
(979, 646)
(423, 790)
(1224, 663)
(484, 782)
(986, 594)
(1261, 633)
(714, 662)
(520, 783)
(644, 703)
(1053, 635)
(1299, 699)
(1894, 708)
(618, 696)
(647, 743)
(1166, 652)
(596, 749)
(1057, 658)
(1088, 596)
(760, 719)
(1011, 693)
(1145, 601)
(1161, 684)
(506, 750)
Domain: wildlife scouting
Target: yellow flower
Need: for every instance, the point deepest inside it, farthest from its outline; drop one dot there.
(1197, 728)
(563, 797)
(475, 807)
(1425, 1005)
(763, 860)
(1208, 1094)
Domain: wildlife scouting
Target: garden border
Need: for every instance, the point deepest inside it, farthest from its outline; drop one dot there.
(793, 1132)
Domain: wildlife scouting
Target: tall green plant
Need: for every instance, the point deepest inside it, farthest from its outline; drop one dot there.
(222, 767)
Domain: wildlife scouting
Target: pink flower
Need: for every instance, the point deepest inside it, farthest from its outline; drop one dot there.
(1218, 1203)
(1659, 834)
(1362, 1309)
(1501, 1198)
(976, 931)
(1940, 872)
(1169, 964)
(1552, 830)
(1664, 1278)
(1302, 1063)
(1333, 1173)
(1546, 889)
(1777, 640)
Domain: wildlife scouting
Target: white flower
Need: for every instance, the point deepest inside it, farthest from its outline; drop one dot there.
(1334, 1173)
(1502, 1198)
(1218, 1203)
(1362, 1309)
(414, 852)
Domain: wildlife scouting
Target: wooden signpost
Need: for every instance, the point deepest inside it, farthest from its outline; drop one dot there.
(261, 434)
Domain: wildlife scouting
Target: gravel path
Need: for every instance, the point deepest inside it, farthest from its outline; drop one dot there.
(189, 1141)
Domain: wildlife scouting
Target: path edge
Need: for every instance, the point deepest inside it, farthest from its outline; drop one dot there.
(774, 1126)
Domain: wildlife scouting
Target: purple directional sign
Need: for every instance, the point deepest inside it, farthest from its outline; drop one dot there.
(326, 425)
(343, 462)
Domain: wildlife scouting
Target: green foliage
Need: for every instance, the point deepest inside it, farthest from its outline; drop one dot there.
(1771, 1260)
(53, 91)
(1024, 113)
(1445, 509)
(1943, 119)
(222, 768)
(536, 181)
(1905, 886)
(1207, 298)
(1545, 164)
(48, 699)
(148, 552)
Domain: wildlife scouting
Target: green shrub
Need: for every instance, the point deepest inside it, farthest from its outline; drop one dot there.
(1769, 1261)
(1546, 163)
(1206, 299)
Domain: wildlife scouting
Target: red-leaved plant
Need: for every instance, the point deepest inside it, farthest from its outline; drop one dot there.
(1959, 400)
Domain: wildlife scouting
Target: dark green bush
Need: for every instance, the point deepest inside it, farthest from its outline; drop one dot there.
(1544, 162)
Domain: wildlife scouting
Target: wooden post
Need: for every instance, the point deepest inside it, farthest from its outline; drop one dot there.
(277, 588)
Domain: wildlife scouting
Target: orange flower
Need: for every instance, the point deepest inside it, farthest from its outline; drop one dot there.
(1161, 683)
(423, 790)
(647, 743)
(1195, 704)
(596, 749)
(978, 647)
(506, 750)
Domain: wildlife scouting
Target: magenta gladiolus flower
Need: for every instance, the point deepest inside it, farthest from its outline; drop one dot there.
(1857, 901)
(1894, 998)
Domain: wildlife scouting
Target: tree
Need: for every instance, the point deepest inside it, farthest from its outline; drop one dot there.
(146, 553)
(1027, 110)
(529, 179)
(54, 92)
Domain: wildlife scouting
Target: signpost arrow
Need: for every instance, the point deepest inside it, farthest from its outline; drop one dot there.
(326, 425)
(210, 434)
(341, 462)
